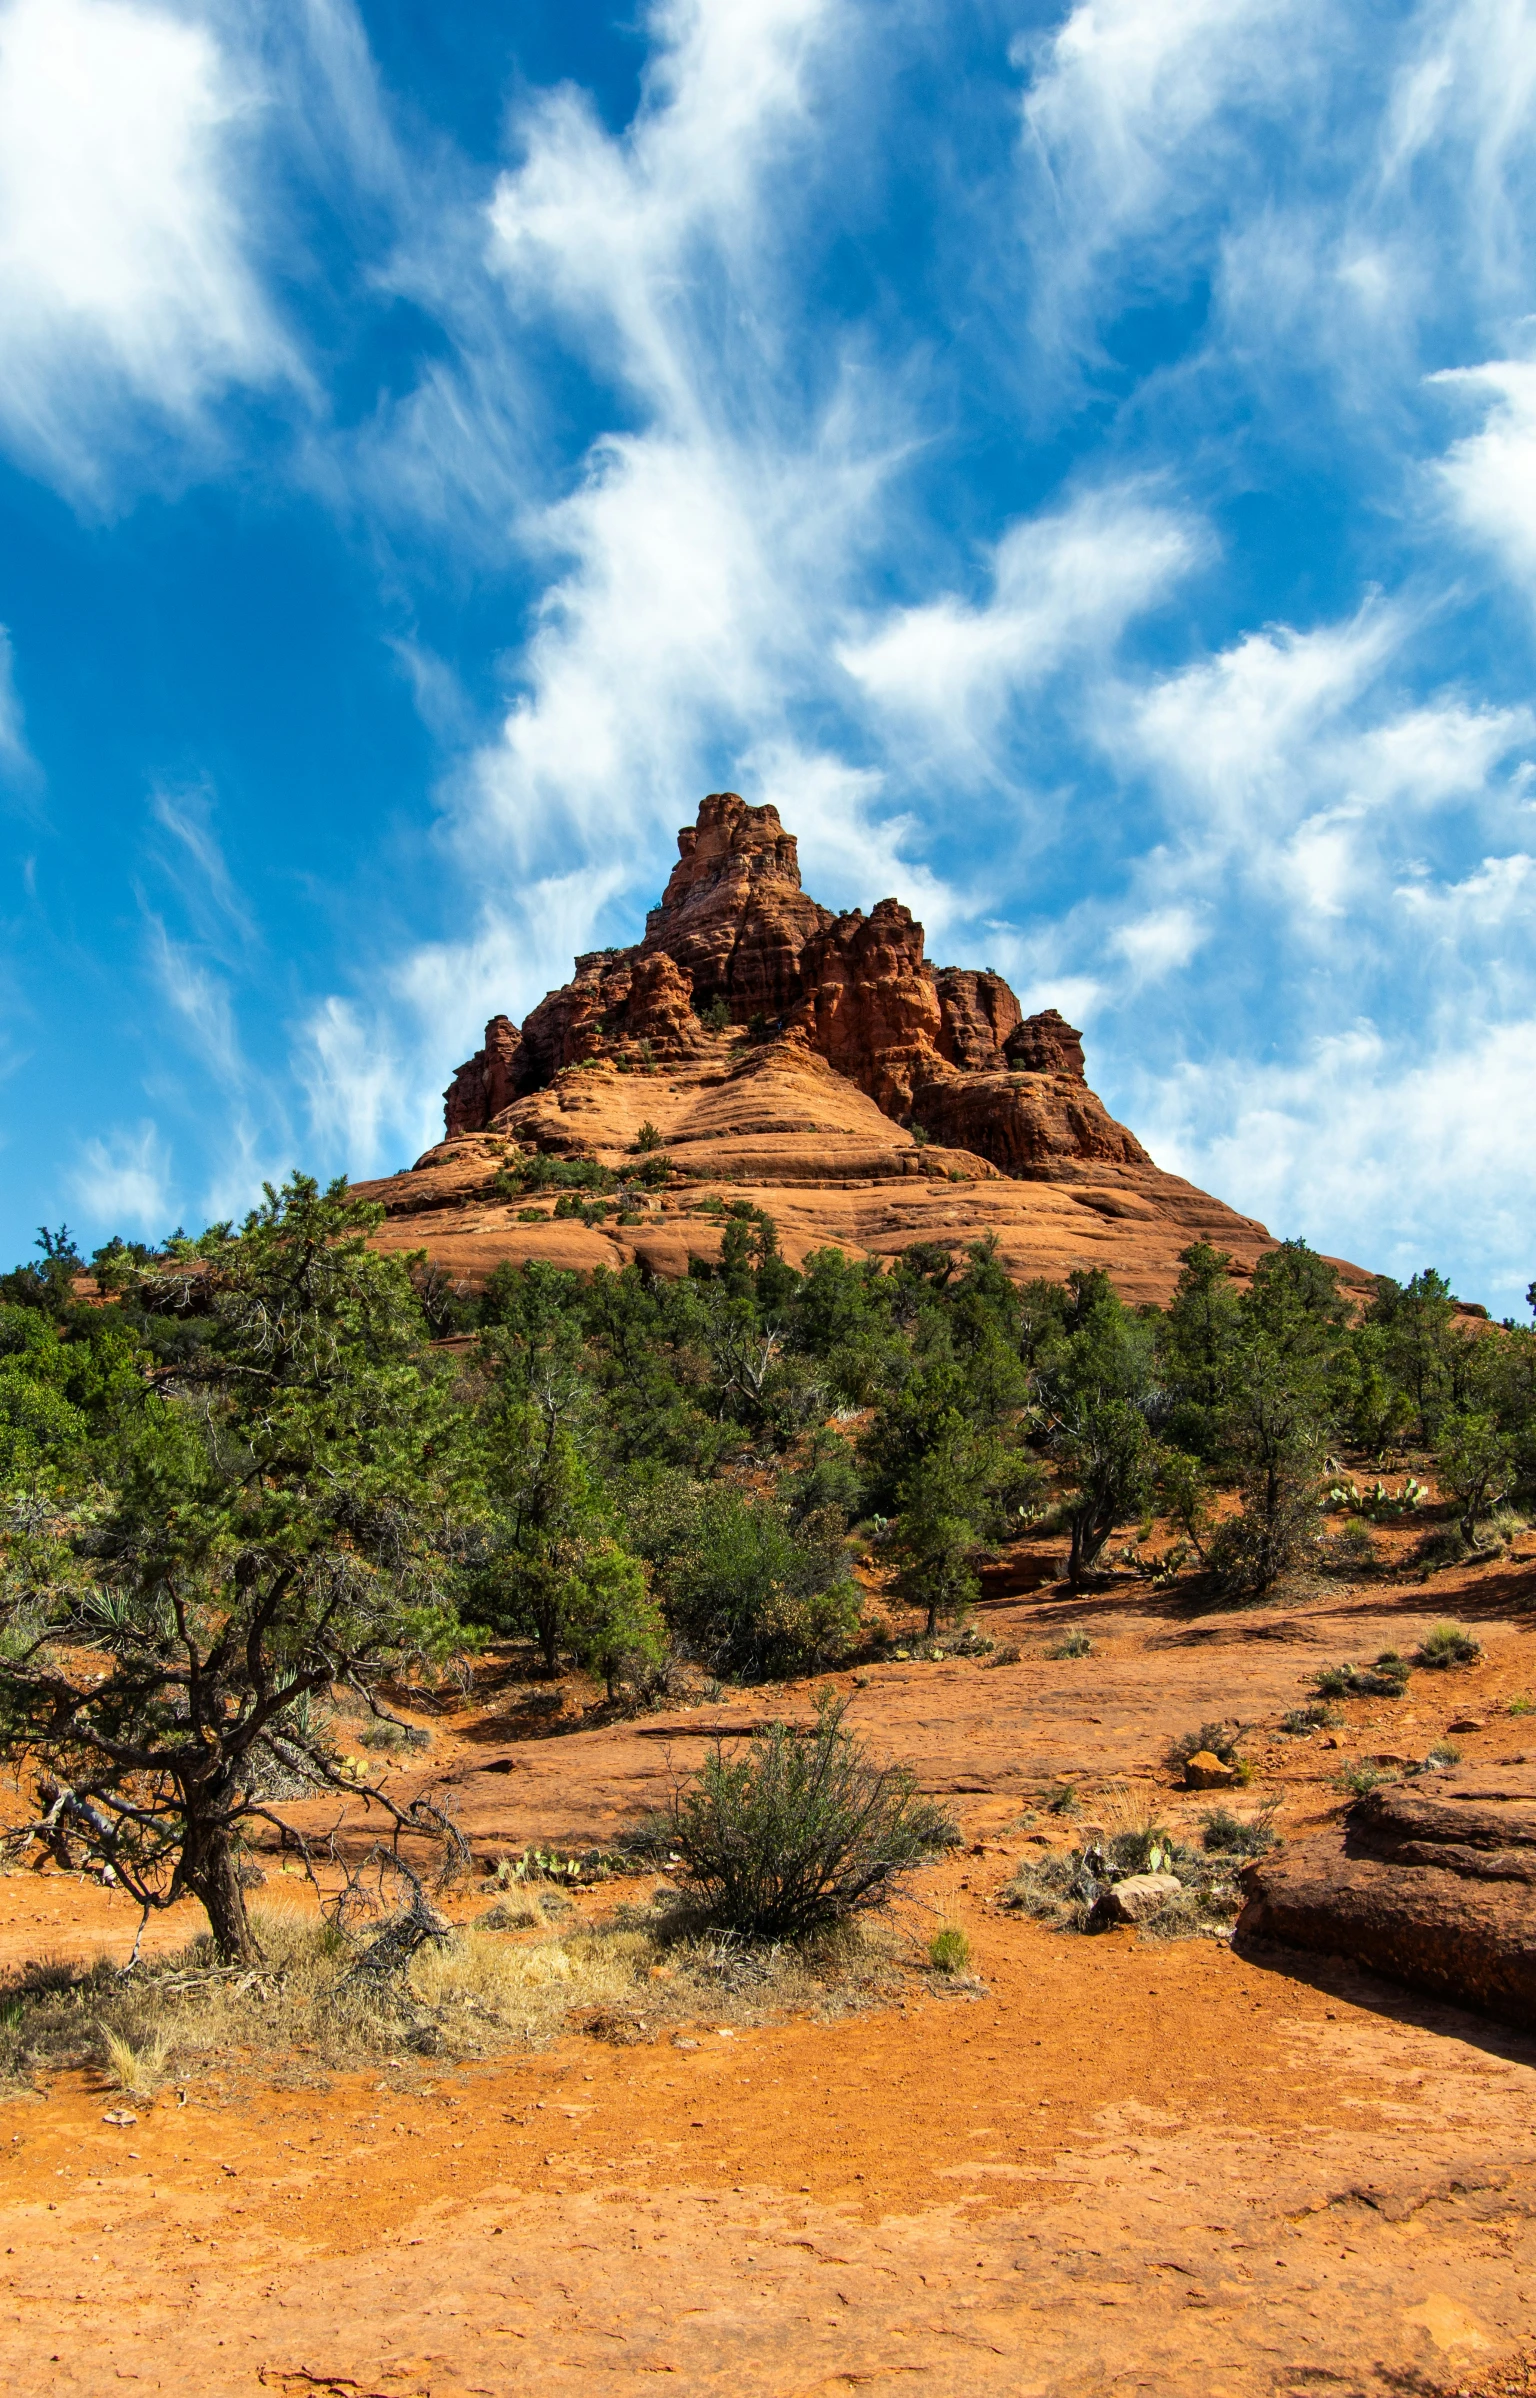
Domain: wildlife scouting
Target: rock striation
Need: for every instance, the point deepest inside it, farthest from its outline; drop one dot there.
(1431, 1882)
(799, 1057)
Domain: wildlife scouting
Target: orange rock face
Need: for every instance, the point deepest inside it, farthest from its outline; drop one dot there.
(816, 1064)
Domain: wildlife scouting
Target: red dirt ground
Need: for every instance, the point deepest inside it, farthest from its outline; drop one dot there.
(1108, 2166)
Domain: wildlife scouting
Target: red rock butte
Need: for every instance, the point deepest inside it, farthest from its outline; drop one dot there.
(814, 1065)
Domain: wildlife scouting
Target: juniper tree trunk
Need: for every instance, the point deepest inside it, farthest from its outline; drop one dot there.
(209, 1871)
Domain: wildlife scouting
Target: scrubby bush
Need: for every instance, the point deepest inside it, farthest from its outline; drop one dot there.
(1066, 1888)
(1360, 1780)
(1443, 1545)
(799, 1831)
(949, 1951)
(1214, 1740)
(1447, 1645)
(745, 1589)
(1317, 1716)
(1226, 1834)
(1386, 1679)
(1073, 1644)
(1350, 1550)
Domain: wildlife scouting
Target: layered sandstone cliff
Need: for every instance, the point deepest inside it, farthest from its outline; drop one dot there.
(816, 1064)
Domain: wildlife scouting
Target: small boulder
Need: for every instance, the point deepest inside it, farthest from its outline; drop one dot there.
(1205, 1771)
(1134, 1899)
(1466, 1723)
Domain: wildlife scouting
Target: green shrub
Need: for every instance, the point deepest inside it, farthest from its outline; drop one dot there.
(949, 1951)
(1448, 1645)
(1214, 1740)
(1075, 1644)
(1443, 1546)
(715, 1016)
(1317, 1716)
(1226, 1834)
(747, 1591)
(800, 1832)
(1360, 1779)
(1350, 1548)
(542, 1173)
(647, 1138)
(1386, 1679)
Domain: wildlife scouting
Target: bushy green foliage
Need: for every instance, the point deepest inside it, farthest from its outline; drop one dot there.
(283, 1510)
(1211, 1740)
(1231, 1835)
(1448, 1645)
(1316, 1716)
(1386, 1679)
(1096, 1386)
(800, 1831)
(253, 1429)
(949, 1951)
(745, 1589)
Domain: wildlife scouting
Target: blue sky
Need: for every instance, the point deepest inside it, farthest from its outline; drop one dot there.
(1080, 462)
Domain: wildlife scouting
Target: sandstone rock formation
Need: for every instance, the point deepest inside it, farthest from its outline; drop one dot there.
(790, 1053)
(1430, 1882)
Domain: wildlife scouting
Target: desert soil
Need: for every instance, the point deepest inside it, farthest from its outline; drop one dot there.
(1101, 2165)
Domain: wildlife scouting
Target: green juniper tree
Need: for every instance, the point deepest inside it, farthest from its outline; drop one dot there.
(1095, 1388)
(281, 1515)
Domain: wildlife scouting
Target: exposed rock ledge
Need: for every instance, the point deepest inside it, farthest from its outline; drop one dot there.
(1431, 1882)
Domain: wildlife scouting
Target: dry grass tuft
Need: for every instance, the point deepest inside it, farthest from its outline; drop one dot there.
(138, 2072)
(483, 1987)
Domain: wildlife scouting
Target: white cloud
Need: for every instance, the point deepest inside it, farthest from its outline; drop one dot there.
(1159, 943)
(605, 229)
(197, 866)
(123, 1181)
(201, 1000)
(1370, 1145)
(1229, 732)
(1310, 820)
(1063, 586)
(697, 563)
(1128, 118)
(1490, 476)
(1461, 108)
(18, 767)
(353, 1081)
(125, 276)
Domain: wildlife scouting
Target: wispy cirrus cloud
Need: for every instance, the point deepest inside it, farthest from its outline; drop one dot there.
(124, 1179)
(125, 272)
(19, 769)
(1065, 585)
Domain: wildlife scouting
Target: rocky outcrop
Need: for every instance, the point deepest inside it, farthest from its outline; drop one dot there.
(487, 1082)
(813, 1064)
(947, 1050)
(978, 1014)
(1430, 1882)
(1045, 1044)
(1040, 1127)
(733, 915)
(871, 1008)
